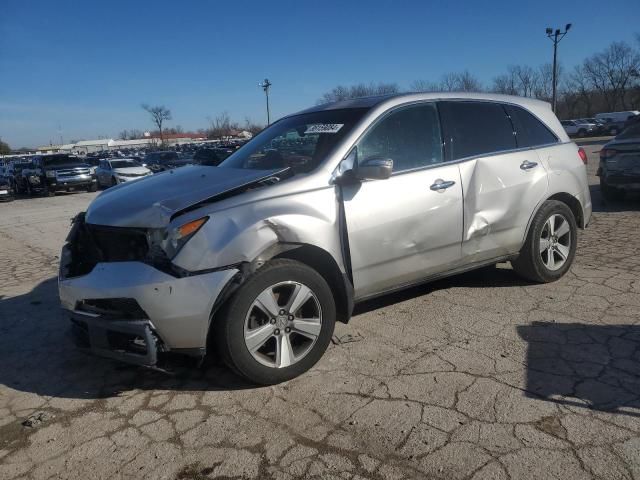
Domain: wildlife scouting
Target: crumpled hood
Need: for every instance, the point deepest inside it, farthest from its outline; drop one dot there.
(151, 201)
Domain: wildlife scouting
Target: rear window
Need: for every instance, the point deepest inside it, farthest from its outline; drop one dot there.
(476, 128)
(530, 132)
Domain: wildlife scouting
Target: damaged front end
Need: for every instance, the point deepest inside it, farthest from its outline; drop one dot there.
(127, 301)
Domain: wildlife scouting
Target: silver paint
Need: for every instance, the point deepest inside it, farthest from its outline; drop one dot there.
(400, 230)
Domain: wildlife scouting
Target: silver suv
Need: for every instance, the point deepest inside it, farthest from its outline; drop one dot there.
(260, 256)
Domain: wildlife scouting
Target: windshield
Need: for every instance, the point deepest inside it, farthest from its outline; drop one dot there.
(60, 160)
(301, 142)
(123, 163)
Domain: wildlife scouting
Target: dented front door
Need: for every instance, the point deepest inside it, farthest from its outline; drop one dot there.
(501, 193)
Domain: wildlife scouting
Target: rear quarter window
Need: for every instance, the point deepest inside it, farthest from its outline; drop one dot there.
(476, 128)
(530, 132)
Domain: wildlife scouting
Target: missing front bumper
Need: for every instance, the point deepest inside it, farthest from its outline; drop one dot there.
(129, 341)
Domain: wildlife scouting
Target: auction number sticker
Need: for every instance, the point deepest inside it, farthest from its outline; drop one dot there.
(324, 128)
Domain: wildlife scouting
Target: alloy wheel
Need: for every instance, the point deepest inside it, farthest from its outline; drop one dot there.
(555, 242)
(283, 324)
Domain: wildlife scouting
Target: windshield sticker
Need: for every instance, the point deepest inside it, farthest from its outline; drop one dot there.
(324, 128)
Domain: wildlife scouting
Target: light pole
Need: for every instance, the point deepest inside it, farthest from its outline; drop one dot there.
(555, 37)
(265, 86)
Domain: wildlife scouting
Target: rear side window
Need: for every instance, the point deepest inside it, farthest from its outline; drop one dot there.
(409, 136)
(530, 132)
(476, 128)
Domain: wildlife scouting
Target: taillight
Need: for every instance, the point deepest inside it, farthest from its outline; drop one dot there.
(583, 155)
(607, 153)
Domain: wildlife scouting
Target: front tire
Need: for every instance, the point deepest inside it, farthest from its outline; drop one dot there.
(278, 324)
(550, 246)
(93, 187)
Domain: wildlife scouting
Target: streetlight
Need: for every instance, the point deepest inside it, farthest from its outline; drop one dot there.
(555, 37)
(265, 86)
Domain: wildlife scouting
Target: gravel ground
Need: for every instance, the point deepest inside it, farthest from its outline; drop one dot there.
(478, 376)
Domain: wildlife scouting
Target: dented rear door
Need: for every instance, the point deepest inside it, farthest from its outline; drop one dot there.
(500, 194)
(501, 183)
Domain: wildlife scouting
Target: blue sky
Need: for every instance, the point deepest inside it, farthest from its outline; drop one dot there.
(85, 67)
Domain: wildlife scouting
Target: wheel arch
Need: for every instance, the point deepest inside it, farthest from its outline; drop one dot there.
(324, 263)
(314, 257)
(571, 201)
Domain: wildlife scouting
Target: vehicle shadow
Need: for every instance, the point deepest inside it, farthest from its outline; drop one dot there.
(39, 356)
(581, 365)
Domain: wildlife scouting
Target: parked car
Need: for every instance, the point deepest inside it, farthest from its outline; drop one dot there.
(263, 254)
(58, 172)
(6, 188)
(579, 128)
(114, 171)
(599, 125)
(619, 168)
(167, 160)
(211, 156)
(18, 181)
(615, 122)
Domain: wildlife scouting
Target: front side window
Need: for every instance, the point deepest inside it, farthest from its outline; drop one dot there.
(409, 136)
(530, 132)
(476, 128)
(300, 142)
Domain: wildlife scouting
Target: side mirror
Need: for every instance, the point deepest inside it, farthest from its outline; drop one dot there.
(375, 168)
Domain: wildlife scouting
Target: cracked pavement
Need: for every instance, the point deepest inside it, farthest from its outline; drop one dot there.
(480, 376)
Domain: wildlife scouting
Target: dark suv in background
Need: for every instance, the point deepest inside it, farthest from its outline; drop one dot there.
(58, 172)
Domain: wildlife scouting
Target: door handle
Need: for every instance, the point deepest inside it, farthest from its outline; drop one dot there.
(527, 165)
(441, 185)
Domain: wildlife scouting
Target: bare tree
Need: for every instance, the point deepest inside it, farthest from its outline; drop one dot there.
(460, 82)
(424, 86)
(341, 92)
(220, 126)
(158, 115)
(612, 73)
(124, 135)
(505, 83)
(251, 126)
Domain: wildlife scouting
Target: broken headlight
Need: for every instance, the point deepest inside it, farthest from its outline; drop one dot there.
(175, 238)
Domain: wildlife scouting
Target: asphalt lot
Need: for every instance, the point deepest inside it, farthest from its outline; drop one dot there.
(478, 376)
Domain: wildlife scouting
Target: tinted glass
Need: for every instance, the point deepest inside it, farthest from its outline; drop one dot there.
(476, 128)
(530, 131)
(300, 142)
(410, 137)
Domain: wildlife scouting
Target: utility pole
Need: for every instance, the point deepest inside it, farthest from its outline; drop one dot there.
(265, 86)
(555, 37)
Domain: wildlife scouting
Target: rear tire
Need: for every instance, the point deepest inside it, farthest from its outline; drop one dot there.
(263, 362)
(93, 187)
(550, 248)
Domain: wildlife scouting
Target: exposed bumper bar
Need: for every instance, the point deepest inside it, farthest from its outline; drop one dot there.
(130, 341)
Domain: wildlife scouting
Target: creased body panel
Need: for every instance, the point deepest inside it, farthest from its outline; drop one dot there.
(499, 197)
(242, 233)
